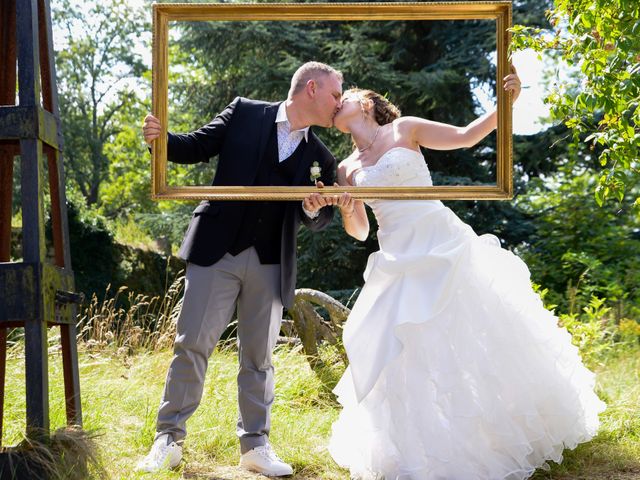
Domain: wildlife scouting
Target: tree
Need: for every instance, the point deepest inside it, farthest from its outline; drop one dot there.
(600, 39)
(98, 71)
(577, 250)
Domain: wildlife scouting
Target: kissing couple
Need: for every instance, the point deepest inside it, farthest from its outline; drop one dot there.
(456, 370)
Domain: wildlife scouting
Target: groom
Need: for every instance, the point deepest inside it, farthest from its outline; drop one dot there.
(241, 255)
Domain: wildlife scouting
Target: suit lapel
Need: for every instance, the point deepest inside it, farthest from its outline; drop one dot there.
(268, 121)
(308, 155)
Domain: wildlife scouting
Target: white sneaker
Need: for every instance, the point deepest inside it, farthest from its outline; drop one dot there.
(264, 460)
(164, 454)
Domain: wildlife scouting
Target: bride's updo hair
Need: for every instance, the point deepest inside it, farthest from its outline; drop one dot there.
(383, 110)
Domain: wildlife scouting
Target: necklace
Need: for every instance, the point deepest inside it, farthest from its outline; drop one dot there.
(375, 135)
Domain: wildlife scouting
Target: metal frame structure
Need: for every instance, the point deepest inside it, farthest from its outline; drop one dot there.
(35, 293)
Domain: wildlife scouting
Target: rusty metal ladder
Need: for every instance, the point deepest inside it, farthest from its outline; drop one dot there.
(35, 293)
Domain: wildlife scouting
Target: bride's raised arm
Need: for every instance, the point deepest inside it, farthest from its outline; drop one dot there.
(442, 136)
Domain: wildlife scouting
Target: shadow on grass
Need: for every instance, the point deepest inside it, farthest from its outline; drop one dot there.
(235, 473)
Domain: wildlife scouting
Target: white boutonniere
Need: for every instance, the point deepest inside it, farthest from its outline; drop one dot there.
(315, 172)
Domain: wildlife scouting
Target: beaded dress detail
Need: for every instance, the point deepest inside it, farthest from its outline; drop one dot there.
(457, 371)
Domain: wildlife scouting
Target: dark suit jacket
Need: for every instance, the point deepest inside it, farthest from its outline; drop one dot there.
(239, 135)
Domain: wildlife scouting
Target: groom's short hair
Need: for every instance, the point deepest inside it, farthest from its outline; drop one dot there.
(309, 71)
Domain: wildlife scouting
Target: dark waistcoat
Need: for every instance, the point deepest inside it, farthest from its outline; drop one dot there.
(262, 221)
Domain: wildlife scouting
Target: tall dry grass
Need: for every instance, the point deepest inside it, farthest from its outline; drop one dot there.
(146, 323)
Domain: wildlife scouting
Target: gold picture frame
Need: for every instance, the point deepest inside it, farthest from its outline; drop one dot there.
(163, 13)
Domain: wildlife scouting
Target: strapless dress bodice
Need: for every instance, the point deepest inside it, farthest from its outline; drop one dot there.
(398, 167)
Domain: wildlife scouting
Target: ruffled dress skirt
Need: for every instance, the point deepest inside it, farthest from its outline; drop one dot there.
(457, 371)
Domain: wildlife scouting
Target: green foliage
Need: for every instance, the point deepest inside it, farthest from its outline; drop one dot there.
(334, 250)
(600, 41)
(125, 194)
(93, 250)
(129, 232)
(629, 332)
(577, 251)
(97, 71)
(592, 332)
(126, 189)
(100, 263)
(168, 225)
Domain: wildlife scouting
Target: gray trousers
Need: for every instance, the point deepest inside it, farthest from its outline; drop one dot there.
(210, 298)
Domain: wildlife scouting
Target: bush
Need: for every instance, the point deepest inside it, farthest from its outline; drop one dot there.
(99, 262)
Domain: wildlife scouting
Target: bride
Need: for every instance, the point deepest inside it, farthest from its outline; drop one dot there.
(457, 371)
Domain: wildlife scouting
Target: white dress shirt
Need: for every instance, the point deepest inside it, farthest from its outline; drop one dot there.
(289, 140)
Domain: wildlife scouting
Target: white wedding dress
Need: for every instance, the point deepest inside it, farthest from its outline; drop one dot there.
(457, 371)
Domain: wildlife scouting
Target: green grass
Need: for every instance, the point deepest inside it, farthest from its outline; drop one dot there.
(120, 396)
(615, 452)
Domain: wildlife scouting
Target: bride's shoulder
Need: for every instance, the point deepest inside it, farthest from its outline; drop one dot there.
(404, 130)
(403, 126)
(405, 122)
(410, 129)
